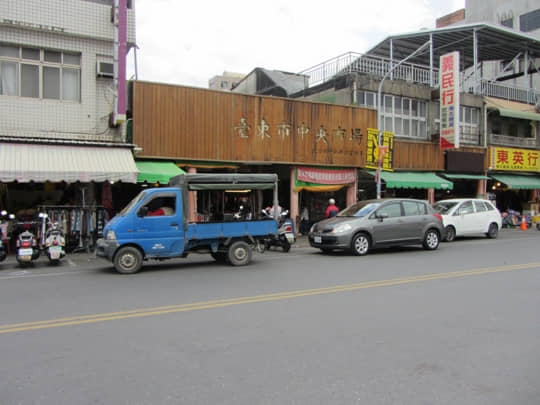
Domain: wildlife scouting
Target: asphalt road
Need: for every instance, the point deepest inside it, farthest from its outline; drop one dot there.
(460, 325)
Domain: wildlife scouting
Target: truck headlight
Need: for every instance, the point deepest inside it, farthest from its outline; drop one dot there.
(342, 228)
(110, 235)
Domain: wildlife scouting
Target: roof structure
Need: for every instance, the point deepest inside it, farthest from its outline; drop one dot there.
(493, 43)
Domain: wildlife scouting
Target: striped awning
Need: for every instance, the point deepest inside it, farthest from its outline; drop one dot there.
(70, 163)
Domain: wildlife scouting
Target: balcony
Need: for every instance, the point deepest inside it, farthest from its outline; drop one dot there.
(512, 141)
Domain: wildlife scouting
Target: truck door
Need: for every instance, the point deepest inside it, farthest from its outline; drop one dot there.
(158, 225)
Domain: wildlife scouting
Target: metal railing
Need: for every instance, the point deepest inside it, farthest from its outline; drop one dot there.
(352, 62)
(505, 140)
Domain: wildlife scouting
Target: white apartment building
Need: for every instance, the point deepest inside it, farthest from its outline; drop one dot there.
(56, 71)
(58, 90)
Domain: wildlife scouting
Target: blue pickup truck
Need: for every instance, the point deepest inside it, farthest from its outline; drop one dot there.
(137, 233)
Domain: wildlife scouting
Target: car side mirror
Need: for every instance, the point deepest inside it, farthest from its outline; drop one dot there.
(143, 211)
(382, 215)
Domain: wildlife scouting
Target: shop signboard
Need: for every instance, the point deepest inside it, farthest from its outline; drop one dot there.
(449, 100)
(326, 176)
(380, 154)
(526, 160)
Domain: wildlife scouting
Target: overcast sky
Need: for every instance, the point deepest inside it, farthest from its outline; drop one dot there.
(188, 42)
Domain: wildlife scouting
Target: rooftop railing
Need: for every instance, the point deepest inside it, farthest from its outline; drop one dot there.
(352, 62)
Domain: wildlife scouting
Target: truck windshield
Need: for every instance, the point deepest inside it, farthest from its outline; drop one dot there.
(133, 202)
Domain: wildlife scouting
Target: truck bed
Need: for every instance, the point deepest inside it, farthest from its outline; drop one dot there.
(235, 229)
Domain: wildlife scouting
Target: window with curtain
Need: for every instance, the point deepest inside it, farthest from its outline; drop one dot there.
(39, 73)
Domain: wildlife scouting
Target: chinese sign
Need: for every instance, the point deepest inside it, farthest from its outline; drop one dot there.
(384, 152)
(515, 159)
(326, 176)
(285, 130)
(449, 83)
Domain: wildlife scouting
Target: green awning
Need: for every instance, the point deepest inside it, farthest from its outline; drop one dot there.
(519, 182)
(414, 180)
(524, 115)
(466, 176)
(156, 172)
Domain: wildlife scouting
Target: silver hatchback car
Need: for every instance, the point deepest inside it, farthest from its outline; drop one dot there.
(379, 223)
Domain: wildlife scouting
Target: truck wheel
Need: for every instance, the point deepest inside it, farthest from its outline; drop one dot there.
(239, 253)
(128, 260)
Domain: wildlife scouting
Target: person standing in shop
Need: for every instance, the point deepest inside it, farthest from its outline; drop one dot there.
(332, 209)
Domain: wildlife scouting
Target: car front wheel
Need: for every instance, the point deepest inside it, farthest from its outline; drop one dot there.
(493, 231)
(360, 244)
(431, 240)
(128, 260)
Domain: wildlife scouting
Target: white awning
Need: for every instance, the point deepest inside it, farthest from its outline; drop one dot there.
(70, 163)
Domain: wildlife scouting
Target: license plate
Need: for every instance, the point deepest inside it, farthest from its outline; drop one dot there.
(54, 255)
(25, 258)
(25, 252)
(317, 239)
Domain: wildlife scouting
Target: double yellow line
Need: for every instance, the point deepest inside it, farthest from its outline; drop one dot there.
(137, 313)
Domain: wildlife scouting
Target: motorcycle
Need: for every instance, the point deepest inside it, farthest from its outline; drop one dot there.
(285, 236)
(3, 249)
(27, 247)
(55, 243)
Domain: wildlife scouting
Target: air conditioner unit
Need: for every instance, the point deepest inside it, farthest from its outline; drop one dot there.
(105, 69)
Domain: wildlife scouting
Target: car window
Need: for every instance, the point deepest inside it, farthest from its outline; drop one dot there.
(489, 206)
(444, 207)
(393, 210)
(360, 209)
(465, 208)
(479, 206)
(414, 208)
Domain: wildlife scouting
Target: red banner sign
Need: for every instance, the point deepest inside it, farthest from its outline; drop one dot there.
(326, 176)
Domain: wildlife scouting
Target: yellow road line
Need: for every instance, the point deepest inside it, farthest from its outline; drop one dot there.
(136, 313)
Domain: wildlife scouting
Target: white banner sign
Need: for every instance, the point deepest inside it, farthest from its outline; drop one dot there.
(449, 88)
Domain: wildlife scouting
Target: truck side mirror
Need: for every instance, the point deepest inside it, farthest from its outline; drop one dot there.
(143, 211)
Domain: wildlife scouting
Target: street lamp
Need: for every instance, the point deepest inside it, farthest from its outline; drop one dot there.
(379, 115)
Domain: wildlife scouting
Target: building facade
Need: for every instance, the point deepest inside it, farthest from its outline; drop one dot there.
(61, 142)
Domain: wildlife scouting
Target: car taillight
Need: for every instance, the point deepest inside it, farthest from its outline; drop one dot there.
(438, 216)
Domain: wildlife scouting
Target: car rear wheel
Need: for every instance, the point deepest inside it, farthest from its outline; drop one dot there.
(360, 244)
(431, 240)
(450, 233)
(493, 231)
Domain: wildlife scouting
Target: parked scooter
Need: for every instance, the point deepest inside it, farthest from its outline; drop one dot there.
(27, 247)
(55, 243)
(285, 236)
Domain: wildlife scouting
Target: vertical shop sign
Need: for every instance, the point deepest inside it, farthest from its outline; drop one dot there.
(449, 89)
(380, 154)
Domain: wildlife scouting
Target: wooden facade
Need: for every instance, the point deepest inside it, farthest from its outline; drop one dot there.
(184, 123)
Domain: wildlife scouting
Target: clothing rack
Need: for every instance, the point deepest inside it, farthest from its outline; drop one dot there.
(82, 225)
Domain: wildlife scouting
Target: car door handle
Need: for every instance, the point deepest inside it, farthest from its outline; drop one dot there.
(174, 224)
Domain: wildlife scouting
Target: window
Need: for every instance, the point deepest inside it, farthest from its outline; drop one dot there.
(509, 22)
(393, 210)
(529, 21)
(480, 206)
(469, 123)
(366, 98)
(414, 208)
(39, 73)
(465, 208)
(405, 116)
